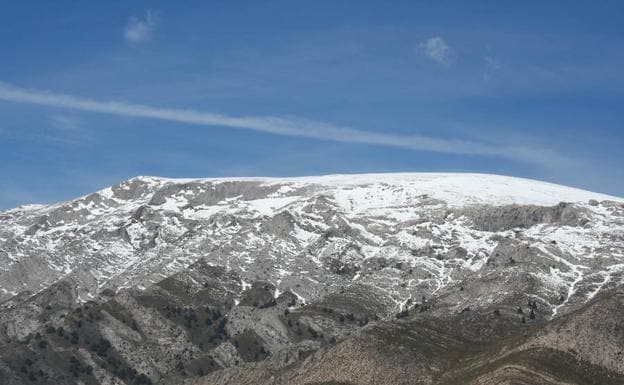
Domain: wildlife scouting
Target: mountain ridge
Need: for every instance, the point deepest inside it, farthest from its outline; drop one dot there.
(349, 178)
(230, 271)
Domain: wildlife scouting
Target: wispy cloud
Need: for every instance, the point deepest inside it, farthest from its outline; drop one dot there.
(67, 129)
(139, 30)
(491, 66)
(55, 129)
(289, 126)
(437, 50)
(64, 122)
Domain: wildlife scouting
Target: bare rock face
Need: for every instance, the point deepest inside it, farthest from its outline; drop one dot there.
(359, 279)
(511, 217)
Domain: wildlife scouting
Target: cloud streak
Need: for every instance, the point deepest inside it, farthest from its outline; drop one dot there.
(288, 126)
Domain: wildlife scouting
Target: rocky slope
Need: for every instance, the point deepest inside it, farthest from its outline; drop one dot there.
(582, 347)
(302, 280)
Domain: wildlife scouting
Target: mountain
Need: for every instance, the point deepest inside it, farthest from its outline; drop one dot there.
(582, 347)
(359, 279)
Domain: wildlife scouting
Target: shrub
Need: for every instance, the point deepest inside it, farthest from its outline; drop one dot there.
(142, 379)
(402, 314)
(101, 347)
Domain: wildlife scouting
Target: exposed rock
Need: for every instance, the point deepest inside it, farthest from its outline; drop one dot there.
(501, 218)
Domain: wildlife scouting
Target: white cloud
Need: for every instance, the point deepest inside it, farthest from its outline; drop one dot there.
(139, 30)
(437, 50)
(290, 126)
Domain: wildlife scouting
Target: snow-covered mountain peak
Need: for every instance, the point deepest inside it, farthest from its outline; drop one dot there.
(404, 235)
(456, 189)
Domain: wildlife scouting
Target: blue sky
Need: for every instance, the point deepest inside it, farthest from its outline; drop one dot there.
(281, 88)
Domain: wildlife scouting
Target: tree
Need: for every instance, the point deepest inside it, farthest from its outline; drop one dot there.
(142, 379)
(74, 337)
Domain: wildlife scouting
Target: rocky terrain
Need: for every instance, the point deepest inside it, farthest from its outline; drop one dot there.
(352, 279)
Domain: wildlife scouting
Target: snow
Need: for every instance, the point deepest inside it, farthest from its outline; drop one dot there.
(304, 237)
(269, 206)
(412, 241)
(458, 189)
(300, 298)
(203, 212)
(388, 213)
